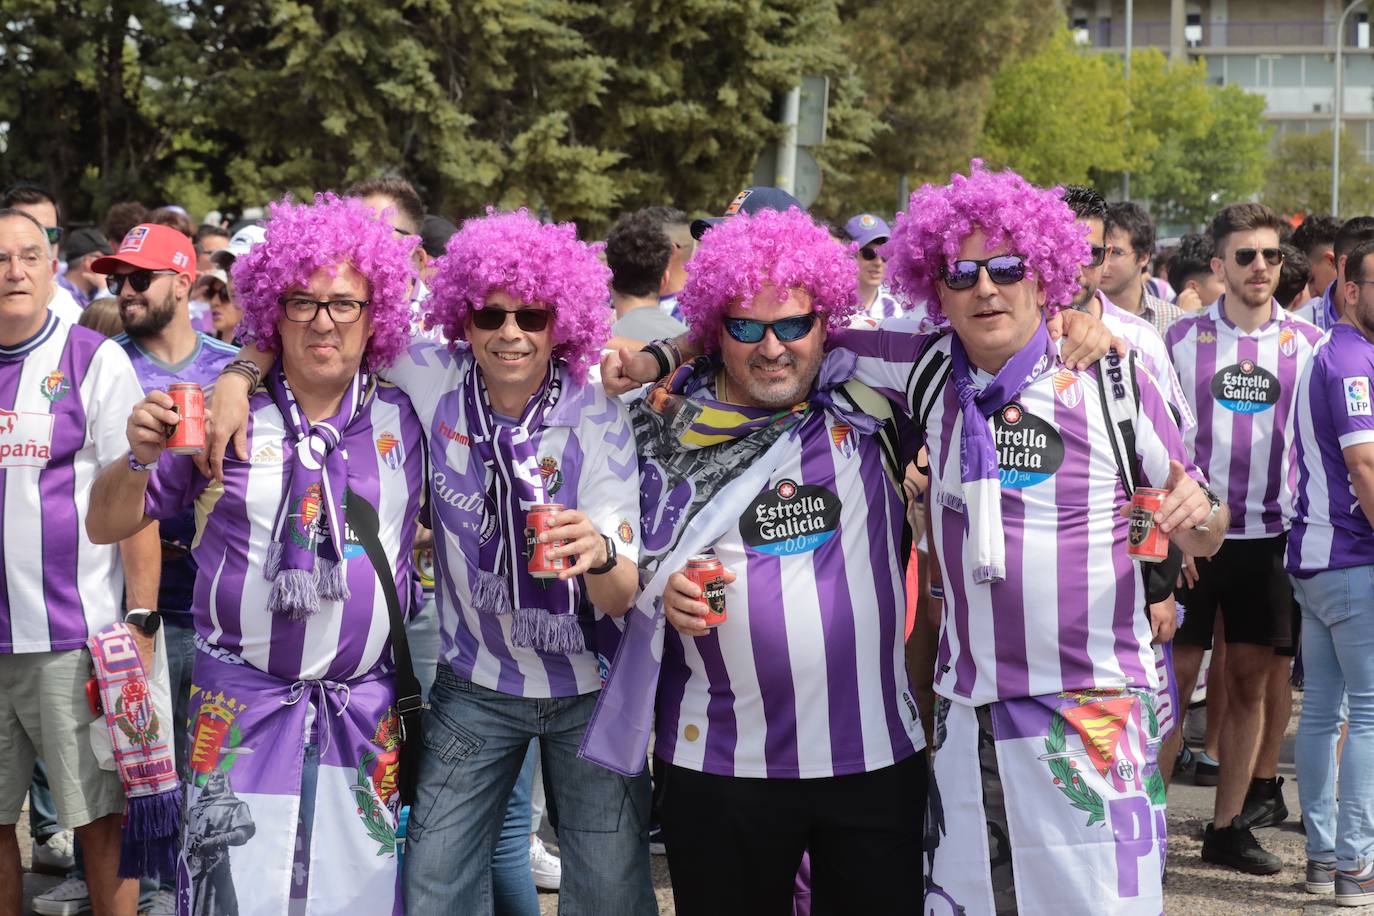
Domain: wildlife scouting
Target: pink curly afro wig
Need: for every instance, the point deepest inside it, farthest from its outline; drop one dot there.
(1035, 222)
(303, 238)
(532, 262)
(737, 258)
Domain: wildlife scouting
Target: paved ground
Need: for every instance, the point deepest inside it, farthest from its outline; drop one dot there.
(1194, 888)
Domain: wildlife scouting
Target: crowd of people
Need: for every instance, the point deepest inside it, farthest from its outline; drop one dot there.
(808, 556)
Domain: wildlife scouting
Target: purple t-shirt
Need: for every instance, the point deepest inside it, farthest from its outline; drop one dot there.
(1332, 412)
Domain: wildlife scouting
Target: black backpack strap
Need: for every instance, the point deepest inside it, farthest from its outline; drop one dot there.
(362, 518)
(926, 382)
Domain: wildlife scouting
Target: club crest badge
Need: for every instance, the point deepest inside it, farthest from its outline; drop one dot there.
(625, 531)
(843, 437)
(304, 524)
(1101, 723)
(1067, 389)
(135, 715)
(375, 784)
(55, 386)
(552, 476)
(389, 450)
(216, 740)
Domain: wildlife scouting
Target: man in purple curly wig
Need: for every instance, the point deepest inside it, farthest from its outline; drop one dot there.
(790, 725)
(292, 614)
(512, 423)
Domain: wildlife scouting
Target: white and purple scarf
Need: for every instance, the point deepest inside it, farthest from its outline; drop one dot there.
(978, 471)
(544, 612)
(300, 567)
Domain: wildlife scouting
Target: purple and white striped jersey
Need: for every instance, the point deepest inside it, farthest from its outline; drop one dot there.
(1149, 346)
(1333, 412)
(807, 677)
(1070, 613)
(587, 457)
(1320, 310)
(344, 639)
(1241, 388)
(65, 396)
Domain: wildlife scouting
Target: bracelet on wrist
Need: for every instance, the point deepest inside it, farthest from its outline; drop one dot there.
(657, 353)
(134, 464)
(937, 590)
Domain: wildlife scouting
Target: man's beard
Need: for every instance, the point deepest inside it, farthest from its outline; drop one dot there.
(155, 318)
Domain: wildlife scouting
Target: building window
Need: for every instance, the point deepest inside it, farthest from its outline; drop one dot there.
(1192, 30)
(1080, 31)
(1361, 30)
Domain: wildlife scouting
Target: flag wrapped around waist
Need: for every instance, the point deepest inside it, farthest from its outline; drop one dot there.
(137, 708)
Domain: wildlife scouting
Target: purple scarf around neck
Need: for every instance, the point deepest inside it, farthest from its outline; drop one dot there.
(300, 564)
(978, 470)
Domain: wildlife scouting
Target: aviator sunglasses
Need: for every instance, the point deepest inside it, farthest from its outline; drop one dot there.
(786, 330)
(1004, 270)
(140, 280)
(1272, 256)
(492, 319)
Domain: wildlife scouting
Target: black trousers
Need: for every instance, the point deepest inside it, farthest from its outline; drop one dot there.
(734, 844)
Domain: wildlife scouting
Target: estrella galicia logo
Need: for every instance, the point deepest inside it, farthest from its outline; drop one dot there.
(1245, 388)
(1029, 450)
(790, 519)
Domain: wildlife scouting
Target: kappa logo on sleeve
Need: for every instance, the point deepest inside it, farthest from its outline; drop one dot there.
(25, 439)
(1357, 401)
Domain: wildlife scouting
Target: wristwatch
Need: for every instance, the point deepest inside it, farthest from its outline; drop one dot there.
(146, 620)
(1216, 505)
(610, 558)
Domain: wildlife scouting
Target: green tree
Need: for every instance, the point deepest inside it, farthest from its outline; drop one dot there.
(1048, 111)
(1300, 175)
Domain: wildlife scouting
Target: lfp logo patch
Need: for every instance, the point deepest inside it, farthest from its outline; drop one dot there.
(1357, 401)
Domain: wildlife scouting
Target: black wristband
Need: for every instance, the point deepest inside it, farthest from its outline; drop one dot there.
(663, 367)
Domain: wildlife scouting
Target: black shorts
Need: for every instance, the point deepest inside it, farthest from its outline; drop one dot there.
(1246, 580)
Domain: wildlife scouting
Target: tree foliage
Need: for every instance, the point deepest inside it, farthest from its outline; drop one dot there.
(1300, 177)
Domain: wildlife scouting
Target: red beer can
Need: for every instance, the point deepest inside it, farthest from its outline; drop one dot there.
(1145, 541)
(709, 575)
(541, 565)
(188, 436)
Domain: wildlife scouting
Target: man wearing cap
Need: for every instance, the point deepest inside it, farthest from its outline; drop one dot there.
(870, 232)
(751, 200)
(82, 247)
(64, 394)
(292, 790)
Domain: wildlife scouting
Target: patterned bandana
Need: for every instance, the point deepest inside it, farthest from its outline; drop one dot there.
(978, 471)
(304, 560)
(545, 610)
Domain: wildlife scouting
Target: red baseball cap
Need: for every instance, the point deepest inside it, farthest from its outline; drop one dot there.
(153, 247)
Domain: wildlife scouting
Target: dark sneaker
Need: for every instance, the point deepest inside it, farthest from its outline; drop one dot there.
(1260, 811)
(1321, 877)
(656, 846)
(1355, 888)
(1236, 847)
(1205, 772)
(1185, 760)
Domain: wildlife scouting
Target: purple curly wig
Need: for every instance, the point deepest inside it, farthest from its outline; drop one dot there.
(1035, 222)
(303, 238)
(740, 256)
(533, 262)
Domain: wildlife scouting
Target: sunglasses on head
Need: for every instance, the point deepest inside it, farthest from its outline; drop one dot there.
(1004, 270)
(139, 280)
(1272, 256)
(786, 330)
(493, 319)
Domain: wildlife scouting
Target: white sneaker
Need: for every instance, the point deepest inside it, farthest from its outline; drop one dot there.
(544, 865)
(67, 899)
(164, 903)
(55, 855)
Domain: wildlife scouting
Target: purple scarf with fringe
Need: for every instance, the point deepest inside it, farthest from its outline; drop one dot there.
(544, 612)
(301, 574)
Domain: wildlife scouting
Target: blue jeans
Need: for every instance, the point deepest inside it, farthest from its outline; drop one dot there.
(476, 743)
(1338, 658)
(512, 885)
(42, 810)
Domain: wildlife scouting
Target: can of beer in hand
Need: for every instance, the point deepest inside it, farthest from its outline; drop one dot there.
(709, 575)
(541, 565)
(1145, 541)
(187, 437)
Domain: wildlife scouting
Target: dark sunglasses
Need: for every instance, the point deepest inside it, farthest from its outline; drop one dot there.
(1004, 270)
(870, 253)
(786, 330)
(54, 234)
(1272, 256)
(493, 319)
(1099, 254)
(139, 280)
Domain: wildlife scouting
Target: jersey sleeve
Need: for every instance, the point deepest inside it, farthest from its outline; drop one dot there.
(887, 356)
(112, 398)
(424, 371)
(172, 487)
(1347, 392)
(609, 489)
(1157, 437)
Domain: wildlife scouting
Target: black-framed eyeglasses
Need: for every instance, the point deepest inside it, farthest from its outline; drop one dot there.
(1098, 255)
(54, 234)
(489, 318)
(1004, 270)
(138, 280)
(341, 311)
(786, 330)
(1246, 256)
(870, 253)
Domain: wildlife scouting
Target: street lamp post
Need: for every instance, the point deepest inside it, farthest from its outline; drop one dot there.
(1336, 111)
